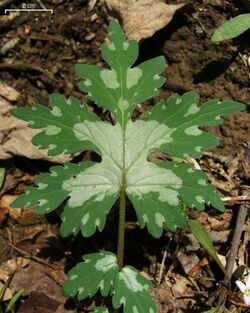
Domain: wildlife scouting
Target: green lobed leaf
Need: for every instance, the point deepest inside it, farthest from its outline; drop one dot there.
(132, 291)
(60, 135)
(48, 194)
(90, 196)
(183, 117)
(121, 88)
(98, 271)
(160, 204)
(232, 28)
(173, 126)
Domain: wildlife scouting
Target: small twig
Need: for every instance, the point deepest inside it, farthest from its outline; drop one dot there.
(196, 18)
(9, 45)
(26, 66)
(236, 239)
(46, 37)
(218, 157)
(235, 198)
(233, 252)
(32, 257)
(162, 266)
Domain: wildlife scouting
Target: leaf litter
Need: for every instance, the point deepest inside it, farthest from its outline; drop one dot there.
(142, 18)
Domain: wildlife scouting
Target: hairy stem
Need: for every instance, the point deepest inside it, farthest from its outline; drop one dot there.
(122, 200)
(121, 231)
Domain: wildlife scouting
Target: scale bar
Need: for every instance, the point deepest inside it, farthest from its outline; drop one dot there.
(29, 10)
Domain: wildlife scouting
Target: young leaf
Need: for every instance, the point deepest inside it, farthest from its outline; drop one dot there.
(98, 271)
(182, 118)
(121, 88)
(84, 182)
(61, 134)
(232, 28)
(132, 290)
(202, 236)
(172, 127)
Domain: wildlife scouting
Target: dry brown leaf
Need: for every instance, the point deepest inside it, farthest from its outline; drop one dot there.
(8, 294)
(181, 287)
(5, 203)
(39, 302)
(8, 92)
(142, 18)
(11, 266)
(15, 136)
(33, 278)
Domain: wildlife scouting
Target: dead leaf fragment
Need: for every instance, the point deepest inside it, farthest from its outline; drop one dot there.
(8, 92)
(8, 294)
(33, 278)
(142, 18)
(40, 302)
(11, 266)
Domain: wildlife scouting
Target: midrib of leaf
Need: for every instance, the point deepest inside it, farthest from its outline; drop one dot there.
(123, 138)
(151, 184)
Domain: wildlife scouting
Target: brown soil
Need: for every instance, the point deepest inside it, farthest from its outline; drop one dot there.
(48, 47)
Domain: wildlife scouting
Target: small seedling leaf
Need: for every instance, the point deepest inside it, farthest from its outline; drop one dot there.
(61, 134)
(121, 88)
(132, 291)
(98, 271)
(202, 237)
(232, 28)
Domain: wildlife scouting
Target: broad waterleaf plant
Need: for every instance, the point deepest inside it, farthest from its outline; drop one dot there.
(91, 189)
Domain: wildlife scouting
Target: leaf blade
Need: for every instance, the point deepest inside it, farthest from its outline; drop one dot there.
(232, 28)
(183, 118)
(132, 291)
(73, 182)
(202, 237)
(122, 84)
(97, 271)
(158, 190)
(58, 136)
